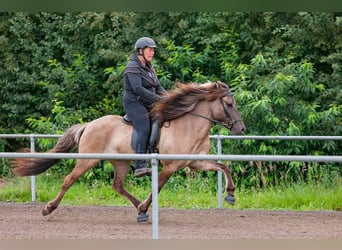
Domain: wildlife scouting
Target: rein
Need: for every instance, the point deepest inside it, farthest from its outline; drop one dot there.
(227, 115)
(209, 119)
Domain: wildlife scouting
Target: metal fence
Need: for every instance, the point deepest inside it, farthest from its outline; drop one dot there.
(155, 157)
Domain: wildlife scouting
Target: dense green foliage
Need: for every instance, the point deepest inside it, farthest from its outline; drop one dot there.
(285, 69)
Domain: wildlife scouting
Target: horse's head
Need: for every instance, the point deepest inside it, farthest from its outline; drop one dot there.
(185, 97)
(225, 110)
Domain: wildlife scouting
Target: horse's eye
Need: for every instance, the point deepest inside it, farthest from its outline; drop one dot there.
(229, 101)
(229, 104)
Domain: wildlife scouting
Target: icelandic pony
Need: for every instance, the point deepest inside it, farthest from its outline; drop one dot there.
(185, 115)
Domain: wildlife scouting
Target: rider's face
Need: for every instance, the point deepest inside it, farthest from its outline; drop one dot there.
(149, 53)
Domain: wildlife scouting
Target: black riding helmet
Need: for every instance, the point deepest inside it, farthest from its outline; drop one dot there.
(144, 42)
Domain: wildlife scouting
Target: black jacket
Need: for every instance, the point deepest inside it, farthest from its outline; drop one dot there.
(141, 83)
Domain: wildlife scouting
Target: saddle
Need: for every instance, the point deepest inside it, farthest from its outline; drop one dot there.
(153, 141)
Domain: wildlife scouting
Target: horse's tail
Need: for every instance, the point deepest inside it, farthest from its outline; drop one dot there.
(34, 166)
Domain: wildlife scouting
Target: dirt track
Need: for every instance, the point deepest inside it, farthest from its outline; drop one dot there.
(24, 221)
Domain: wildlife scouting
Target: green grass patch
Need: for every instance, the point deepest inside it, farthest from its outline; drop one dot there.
(193, 194)
(295, 197)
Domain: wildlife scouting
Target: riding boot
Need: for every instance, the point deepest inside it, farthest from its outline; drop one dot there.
(141, 169)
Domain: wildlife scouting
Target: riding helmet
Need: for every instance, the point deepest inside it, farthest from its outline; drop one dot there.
(144, 42)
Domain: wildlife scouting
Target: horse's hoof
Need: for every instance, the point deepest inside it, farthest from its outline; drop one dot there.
(45, 212)
(230, 199)
(48, 210)
(142, 217)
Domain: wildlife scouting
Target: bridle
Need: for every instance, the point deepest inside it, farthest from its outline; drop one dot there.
(228, 125)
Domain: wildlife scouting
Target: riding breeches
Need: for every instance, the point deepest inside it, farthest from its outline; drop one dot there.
(138, 113)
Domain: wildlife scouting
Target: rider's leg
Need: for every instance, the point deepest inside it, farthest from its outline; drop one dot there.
(140, 166)
(141, 122)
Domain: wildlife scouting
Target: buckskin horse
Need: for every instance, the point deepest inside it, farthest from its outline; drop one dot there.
(185, 114)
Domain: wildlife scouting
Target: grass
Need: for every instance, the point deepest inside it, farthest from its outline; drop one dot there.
(296, 197)
(191, 195)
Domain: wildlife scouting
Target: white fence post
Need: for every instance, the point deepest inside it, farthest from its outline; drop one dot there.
(33, 178)
(155, 219)
(219, 173)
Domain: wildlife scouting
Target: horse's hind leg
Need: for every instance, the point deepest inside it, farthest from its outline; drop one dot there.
(121, 169)
(81, 167)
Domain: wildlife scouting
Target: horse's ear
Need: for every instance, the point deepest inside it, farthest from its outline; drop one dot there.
(221, 85)
(218, 84)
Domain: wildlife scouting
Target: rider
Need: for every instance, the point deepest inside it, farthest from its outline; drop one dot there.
(141, 90)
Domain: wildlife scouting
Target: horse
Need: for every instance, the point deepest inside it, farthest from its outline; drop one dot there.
(185, 114)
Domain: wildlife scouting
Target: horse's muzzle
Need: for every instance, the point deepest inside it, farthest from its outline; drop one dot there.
(238, 128)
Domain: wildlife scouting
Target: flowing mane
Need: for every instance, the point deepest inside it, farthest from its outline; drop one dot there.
(184, 98)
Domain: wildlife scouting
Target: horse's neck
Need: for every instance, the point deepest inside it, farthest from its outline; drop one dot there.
(202, 109)
(193, 123)
(187, 134)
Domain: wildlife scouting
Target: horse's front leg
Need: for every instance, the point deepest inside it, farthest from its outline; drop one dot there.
(230, 187)
(163, 177)
(214, 166)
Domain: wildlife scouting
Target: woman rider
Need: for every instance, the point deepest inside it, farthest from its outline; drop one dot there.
(141, 90)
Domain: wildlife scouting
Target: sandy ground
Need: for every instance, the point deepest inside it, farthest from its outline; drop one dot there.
(24, 221)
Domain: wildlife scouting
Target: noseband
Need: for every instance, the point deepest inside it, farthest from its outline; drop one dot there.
(228, 125)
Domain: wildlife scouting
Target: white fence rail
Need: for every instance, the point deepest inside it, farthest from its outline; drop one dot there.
(218, 138)
(155, 157)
